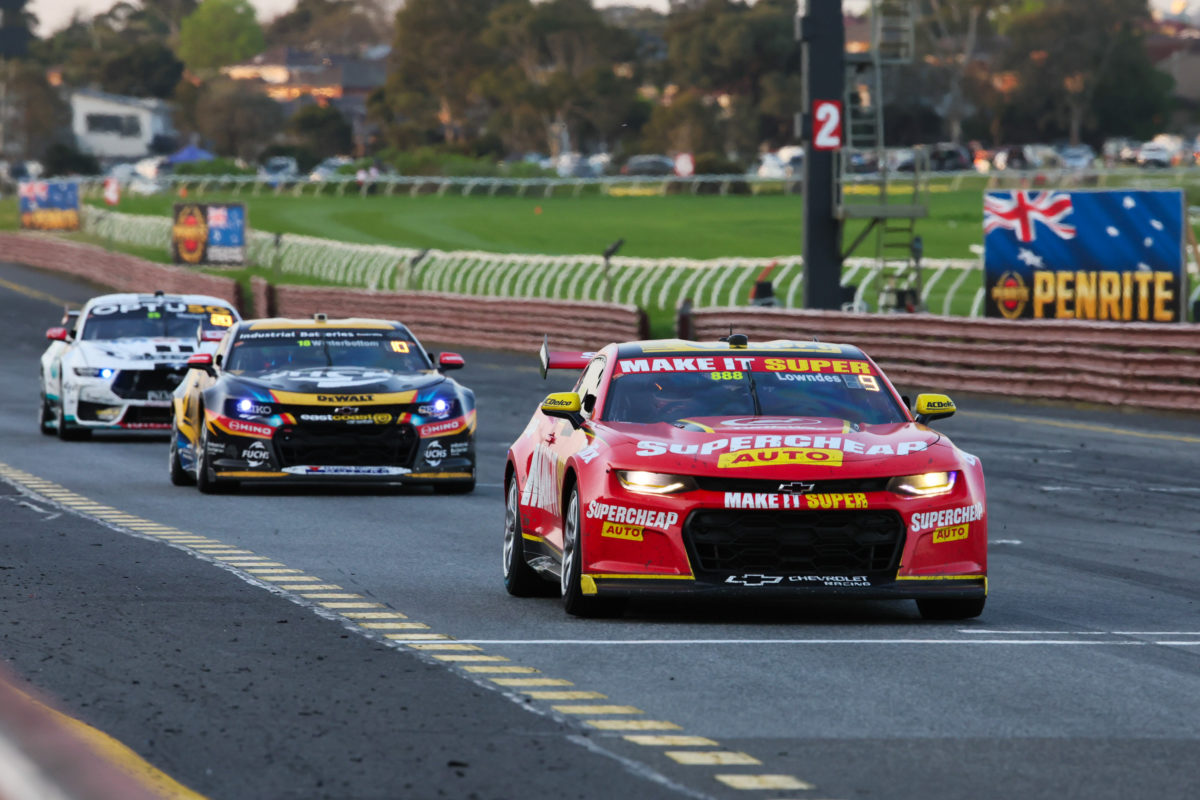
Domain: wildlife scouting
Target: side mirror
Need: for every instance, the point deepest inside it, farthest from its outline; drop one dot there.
(564, 405)
(59, 334)
(933, 406)
(202, 362)
(450, 361)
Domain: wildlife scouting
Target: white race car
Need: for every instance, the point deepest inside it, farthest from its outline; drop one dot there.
(116, 364)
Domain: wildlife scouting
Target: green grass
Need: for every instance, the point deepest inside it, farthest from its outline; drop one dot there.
(673, 226)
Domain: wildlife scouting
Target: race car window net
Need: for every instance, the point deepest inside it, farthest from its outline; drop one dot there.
(668, 396)
(176, 320)
(259, 352)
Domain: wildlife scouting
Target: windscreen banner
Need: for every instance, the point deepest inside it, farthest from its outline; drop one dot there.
(49, 205)
(1113, 255)
(209, 233)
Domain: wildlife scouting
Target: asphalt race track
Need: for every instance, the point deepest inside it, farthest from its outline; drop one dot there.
(128, 601)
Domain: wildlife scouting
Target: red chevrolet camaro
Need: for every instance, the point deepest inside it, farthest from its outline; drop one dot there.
(768, 468)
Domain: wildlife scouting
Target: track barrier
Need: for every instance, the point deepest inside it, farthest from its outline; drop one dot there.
(1117, 364)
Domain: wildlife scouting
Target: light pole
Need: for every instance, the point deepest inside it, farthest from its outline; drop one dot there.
(609, 252)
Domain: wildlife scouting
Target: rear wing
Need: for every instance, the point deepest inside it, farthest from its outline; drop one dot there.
(560, 359)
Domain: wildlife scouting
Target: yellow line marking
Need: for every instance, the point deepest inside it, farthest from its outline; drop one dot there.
(466, 657)
(711, 757)
(241, 562)
(219, 553)
(632, 725)
(309, 586)
(499, 669)
(120, 756)
(423, 637)
(597, 710)
(36, 295)
(531, 682)
(273, 578)
(670, 741)
(272, 571)
(445, 646)
(342, 605)
(1084, 426)
(374, 615)
(394, 626)
(330, 596)
(763, 782)
(580, 695)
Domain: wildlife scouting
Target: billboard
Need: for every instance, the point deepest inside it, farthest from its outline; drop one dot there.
(1112, 255)
(49, 205)
(209, 233)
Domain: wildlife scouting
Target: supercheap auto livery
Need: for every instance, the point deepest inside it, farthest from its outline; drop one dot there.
(352, 399)
(788, 466)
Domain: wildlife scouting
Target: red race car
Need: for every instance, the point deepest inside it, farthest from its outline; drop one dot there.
(785, 468)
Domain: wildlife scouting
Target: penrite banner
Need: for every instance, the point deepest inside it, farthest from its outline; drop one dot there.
(49, 205)
(1114, 255)
(209, 233)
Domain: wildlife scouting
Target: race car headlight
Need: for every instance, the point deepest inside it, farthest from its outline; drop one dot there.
(927, 484)
(247, 407)
(437, 408)
(654, 482)
(94, 372)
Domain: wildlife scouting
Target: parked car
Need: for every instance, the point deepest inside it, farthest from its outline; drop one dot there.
(949, 157)
(1079, 156)
(279, 168)
(329, 168)
(651, 165)
(1153, 154)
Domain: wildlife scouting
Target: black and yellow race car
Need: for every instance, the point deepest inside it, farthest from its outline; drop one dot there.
(322, 399)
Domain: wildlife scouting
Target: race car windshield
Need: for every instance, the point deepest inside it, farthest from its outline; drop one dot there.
(260, 352)
(151, 320)
(768, 387)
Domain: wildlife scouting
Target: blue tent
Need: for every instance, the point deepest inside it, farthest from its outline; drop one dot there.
(189, 153)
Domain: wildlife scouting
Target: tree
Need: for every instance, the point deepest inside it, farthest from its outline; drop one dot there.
(219, 33)
(952, 33)
(332, 26)
(144, 70)
(438, 56)
(37, 116)
(235, 119)
(322, 130)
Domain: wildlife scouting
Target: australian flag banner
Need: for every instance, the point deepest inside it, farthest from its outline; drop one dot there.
(49, 205)
(1114, 255)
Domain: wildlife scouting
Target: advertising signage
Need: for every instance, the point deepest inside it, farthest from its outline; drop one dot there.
(49, 205)
(1114, 255)
(209, 233)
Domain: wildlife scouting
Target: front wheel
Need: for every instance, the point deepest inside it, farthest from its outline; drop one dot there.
(46, 417)
(68, 433)
(179, 475)
(943, 608)
(206, 477)
(575, 601)
(520, 579)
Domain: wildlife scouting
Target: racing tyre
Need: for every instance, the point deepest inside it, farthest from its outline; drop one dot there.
(939, 608)
(46, 421)
(206, 479)
(520, 579)
(179, 475)
(575, 601)
(66, 432)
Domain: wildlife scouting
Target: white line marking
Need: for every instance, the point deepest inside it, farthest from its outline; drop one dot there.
(1004, 541)
(605, 642)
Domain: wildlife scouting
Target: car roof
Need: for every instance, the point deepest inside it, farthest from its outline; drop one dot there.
(681, 347)
(308, 323)
(134, 297)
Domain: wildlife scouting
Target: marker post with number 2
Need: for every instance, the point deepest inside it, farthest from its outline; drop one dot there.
(827, 125)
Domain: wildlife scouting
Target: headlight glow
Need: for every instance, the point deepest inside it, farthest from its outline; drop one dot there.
(245, 405)
(94, 372)
(654, 482)
(248, 407)
(438, 408)
(928, 484)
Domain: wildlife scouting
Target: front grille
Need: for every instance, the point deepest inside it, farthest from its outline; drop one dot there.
(346, 445)
(723, 484)
(138, 384)
(147, 415)
(795, 542)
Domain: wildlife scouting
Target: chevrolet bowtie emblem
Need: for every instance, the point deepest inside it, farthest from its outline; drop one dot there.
(796, 487)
